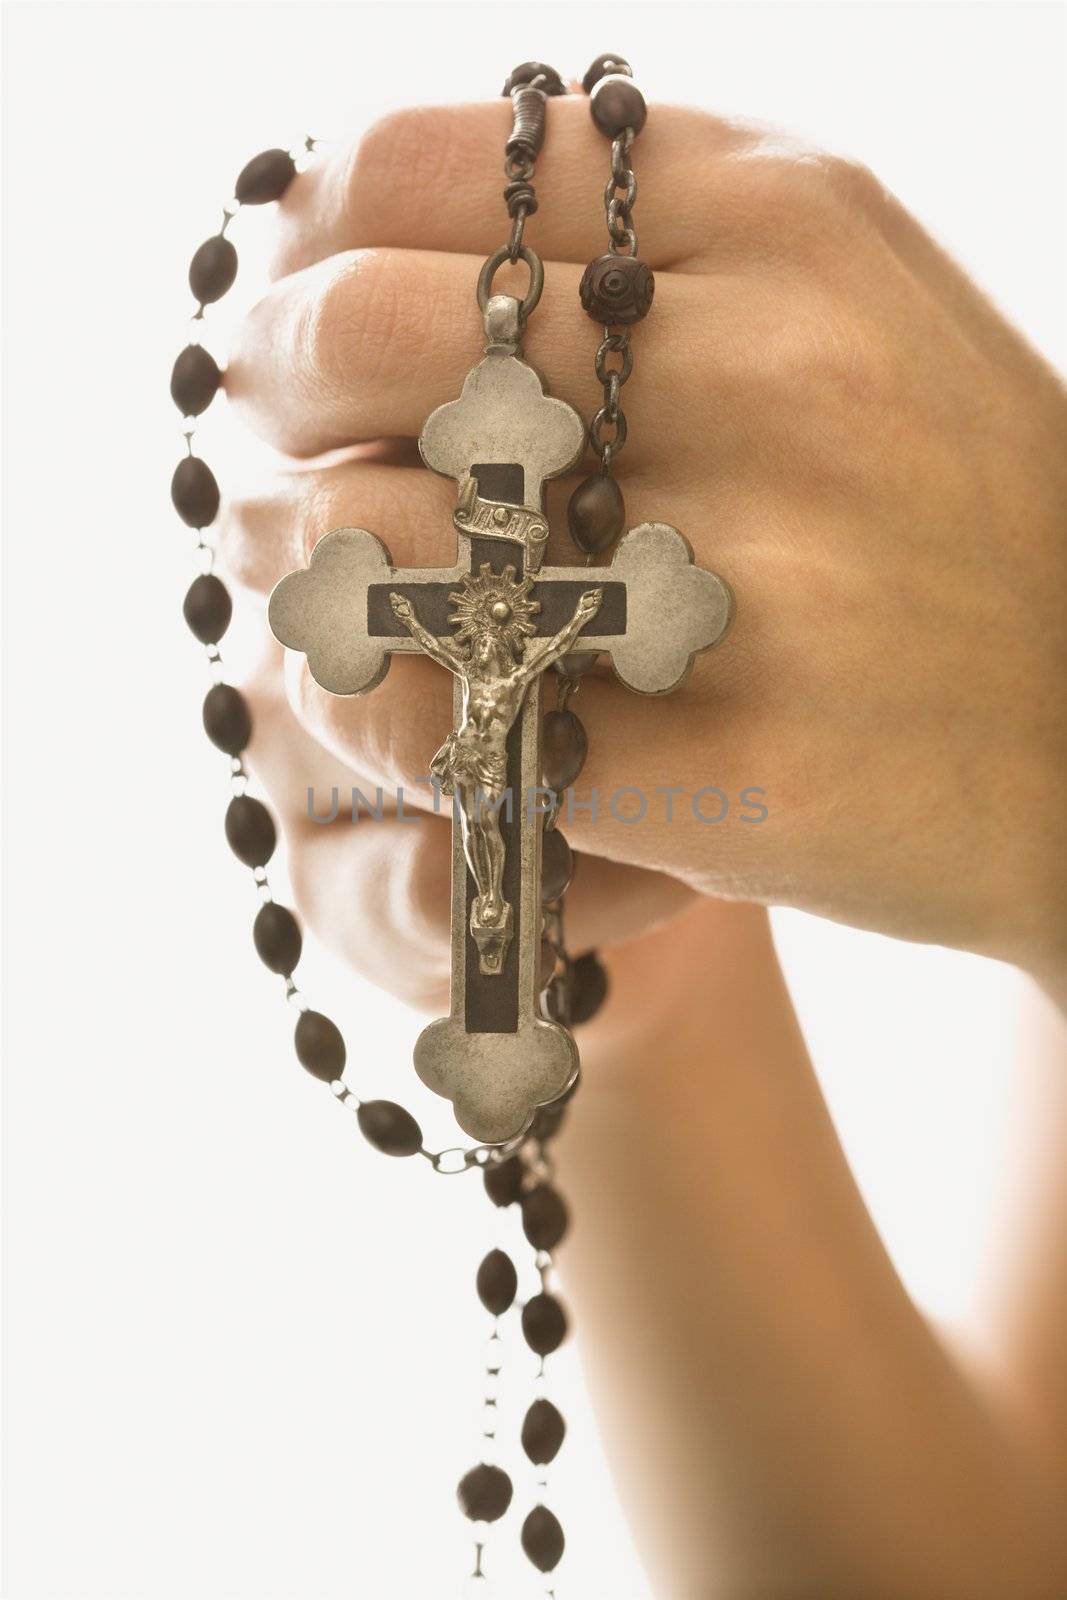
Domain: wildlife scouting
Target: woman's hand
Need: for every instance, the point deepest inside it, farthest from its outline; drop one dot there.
(838, 422)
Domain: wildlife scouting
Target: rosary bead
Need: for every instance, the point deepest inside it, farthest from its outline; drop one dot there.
(543, 1429)
(277, 938)
(617, 290)
(596, 515)
(528, 71)
(194, 380)
(266, 177)
(194, 492)
(207, 608)
(497, 1282)
(544, 1216)
(503, 1180)
(589, 987)
(484, 1493)
(542, 1539)
(601, 67)
(250, 830)
(617, 104)
(389, 1128)
(213, 269)
(544, 1325)
(565, 749)
(227, 719)
(320, 1049)
(557, 865)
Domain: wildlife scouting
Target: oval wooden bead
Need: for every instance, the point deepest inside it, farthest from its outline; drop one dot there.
(544, 1216)
(227, 719)
(277, 938)
(528, 71)
(194, 492)
(542, 1539)
(601, 66)
(484, 1493)
(544, 1324)
(557, 865)
(207, 608)
(589, 987)
(543, 1429)
(497, 1282)
(250, 830)
(320, 1048)
(616, 104)
(389, 1128)
(213, 269)
(596, 515)
(503, 1180)
(266, 177)
(194, 380)
(565, 748)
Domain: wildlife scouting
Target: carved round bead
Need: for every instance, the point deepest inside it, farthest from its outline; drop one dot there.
(589, 987)
(250, 830)
(389, 1128)
(557, 865)
(544, 1216)
(320, 1048)
(544, 1324)
(503, 1180)
(213, 269)
(484, 1493)
(617, 290)
(194, 492)
(277, 938)
(565, 748)
(266, 177)
(617, 104)
(528, 71)
(542, 1539)
(194, 380)
(207, 608)
(596, 515)
(543, 1430)
(601, 67)
(497, 1282)
(227, 719)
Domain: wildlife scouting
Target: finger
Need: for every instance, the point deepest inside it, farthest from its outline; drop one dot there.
(367, 344)
(431, 178)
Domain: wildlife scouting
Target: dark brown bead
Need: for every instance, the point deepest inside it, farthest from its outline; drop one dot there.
(389, 1128)
(543, 1429)
(617, 290)
(601, 67)
(589, 988)
(227, 719)
(207, 608)
(484, 1493)
(250, 830)
(557, 865)
(528, 71)
(320, 1048)
(576, 663)
(596, 515)
(497, 1282)
(617, 104)
(194, 492)
(565, 749)
(544, 1216)
(266, 177)
(277, 938)
(212, 269)
(544, 1325)
(542, 1539)
(503, 1180)
(194, 380)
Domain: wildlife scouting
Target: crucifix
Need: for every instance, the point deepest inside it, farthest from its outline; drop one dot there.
(497, 618)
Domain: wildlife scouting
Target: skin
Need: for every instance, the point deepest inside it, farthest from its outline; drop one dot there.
(873, 459)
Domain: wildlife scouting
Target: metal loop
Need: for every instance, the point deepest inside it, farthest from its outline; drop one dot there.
(596, 426)
(494, 262)
(616, 344)
(611, 396)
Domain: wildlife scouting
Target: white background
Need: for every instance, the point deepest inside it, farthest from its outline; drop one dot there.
(241, 1349)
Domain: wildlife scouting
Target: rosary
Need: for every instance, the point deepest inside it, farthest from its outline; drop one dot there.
(497, 619)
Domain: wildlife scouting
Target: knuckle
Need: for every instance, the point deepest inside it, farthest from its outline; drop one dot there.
(407, 148)
(348, 329)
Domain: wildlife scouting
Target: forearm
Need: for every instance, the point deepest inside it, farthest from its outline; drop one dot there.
(787, 1422)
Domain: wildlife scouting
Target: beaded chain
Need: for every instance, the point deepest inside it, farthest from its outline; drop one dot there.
(521, 1172)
